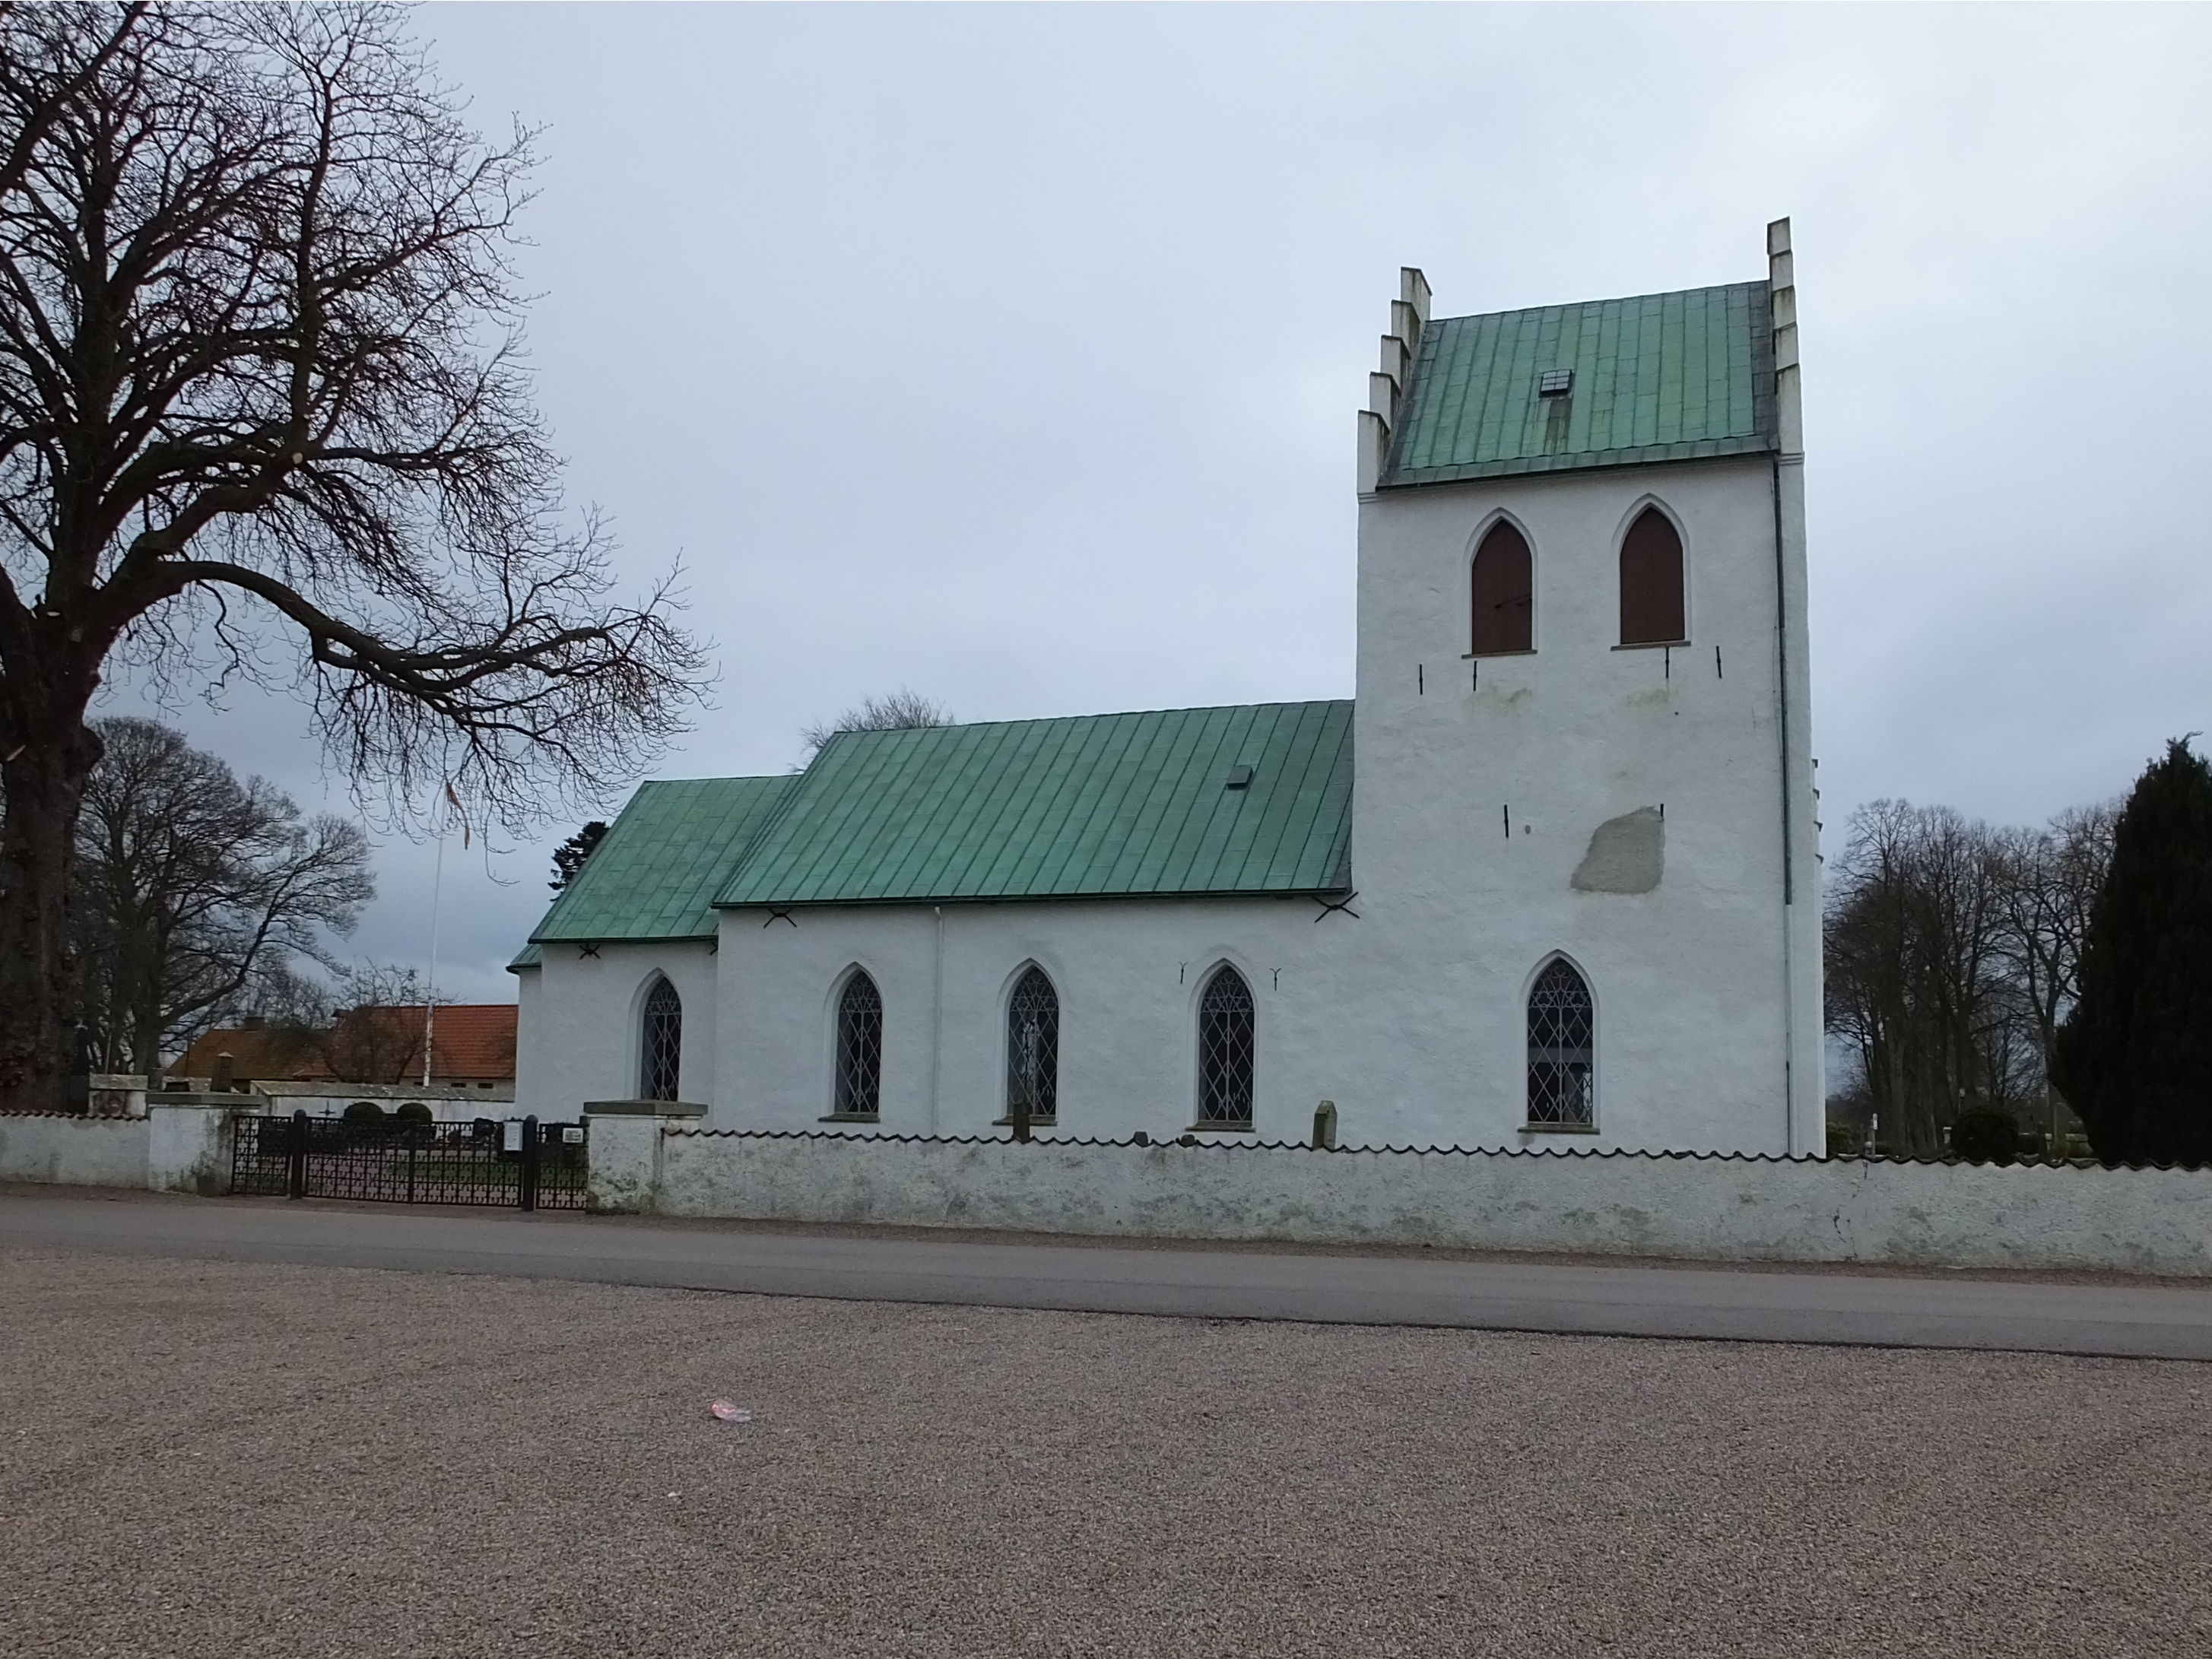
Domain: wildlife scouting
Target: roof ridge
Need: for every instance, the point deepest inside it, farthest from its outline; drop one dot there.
(1096, 715)
(1582, 305)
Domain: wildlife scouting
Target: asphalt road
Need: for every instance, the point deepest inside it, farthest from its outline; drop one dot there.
(2134, 1319)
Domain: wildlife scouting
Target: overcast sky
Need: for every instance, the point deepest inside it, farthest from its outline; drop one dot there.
(1011, 354)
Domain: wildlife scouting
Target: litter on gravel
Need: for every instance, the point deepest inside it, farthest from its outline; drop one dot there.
(729, 1413)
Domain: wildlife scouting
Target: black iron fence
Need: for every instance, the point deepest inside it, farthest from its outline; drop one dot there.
(520, 1163)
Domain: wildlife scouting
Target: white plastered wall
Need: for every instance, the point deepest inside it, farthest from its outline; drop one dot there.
(1695, 1015)
(1128, 974)
(579, 1026)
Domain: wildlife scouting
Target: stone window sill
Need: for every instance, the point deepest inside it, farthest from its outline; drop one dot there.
(1035, 1122)
(1483, 656)
(852, 1117)
(1218, 1130)
(1558, 1128)
(1651, 645)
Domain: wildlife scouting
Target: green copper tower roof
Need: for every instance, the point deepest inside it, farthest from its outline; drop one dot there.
(1662, 377)
(1184, 802)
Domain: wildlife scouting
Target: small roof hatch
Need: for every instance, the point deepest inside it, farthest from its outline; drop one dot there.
(1239, 777)
(1555, 383)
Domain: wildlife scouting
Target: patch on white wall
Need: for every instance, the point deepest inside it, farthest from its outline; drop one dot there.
(1627, 854)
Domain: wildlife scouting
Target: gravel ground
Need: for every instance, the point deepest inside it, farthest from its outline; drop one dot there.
(206, 1458)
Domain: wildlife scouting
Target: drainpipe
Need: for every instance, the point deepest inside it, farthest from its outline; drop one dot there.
(1789, 831)
(1799, 921)
(936, 1010)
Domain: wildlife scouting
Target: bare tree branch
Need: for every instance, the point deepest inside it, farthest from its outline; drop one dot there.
(261, 360)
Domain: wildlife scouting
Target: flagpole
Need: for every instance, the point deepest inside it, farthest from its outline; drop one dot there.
(430, 994)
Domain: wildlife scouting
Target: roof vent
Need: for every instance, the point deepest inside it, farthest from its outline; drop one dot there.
(1239, 777)
(1555, 383)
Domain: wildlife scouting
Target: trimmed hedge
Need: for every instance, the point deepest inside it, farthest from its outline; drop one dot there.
(1986, 1136)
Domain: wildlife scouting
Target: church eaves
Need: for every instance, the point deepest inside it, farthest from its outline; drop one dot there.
(1660, 377)
(1102, 806)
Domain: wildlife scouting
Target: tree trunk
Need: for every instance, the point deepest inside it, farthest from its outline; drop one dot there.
(44, 786)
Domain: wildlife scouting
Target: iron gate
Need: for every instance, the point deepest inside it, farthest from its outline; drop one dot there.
(540, 1166)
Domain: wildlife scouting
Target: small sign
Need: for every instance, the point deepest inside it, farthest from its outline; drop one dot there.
(512, 1143)
(572, 1135)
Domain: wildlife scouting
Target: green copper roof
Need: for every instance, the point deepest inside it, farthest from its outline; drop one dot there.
(1103, 805)
(654, 875)
(1663, 377)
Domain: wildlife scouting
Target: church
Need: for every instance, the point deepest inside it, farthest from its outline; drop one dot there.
(1550, 880)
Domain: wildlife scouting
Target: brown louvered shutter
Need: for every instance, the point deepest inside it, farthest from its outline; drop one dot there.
(1504, 593)
(1652, 581)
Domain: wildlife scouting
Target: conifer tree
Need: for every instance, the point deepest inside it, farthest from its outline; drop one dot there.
(2134, 1057)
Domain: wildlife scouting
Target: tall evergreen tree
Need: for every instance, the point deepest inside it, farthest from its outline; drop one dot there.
(569, 857)
(2134, 1057)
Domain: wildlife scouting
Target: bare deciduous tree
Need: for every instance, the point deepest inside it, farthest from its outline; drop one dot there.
(1952, 953)
(2047, 882)
(902, 711)
(260, 372)
(196, 894)
(378, 1038)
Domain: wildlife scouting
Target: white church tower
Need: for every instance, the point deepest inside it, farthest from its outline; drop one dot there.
(1583, 799)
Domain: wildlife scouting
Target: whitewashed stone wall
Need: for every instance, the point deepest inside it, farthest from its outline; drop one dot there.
(579, 1023)
(172, 1148)
(73, 1151)
(1717, 1209)
(1129, 976)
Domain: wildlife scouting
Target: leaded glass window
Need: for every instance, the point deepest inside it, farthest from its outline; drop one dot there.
(1561, 1025)
(661, 1053)
(1225, 1049)
(859, 1049)
(1033, 1048)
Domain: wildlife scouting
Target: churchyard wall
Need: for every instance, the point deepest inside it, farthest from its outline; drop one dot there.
(2032, 1218)
(167, 1148)
(1802, 1210)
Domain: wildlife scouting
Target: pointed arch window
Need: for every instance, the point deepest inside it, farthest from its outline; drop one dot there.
(660, 1053)
(1562, 1026)
(1033, 1048)
(1651, 611)
(1225, 1051)
(859, 1049)
(1504, 594)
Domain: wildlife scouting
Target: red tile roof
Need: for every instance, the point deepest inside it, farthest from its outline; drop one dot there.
(474, 1044)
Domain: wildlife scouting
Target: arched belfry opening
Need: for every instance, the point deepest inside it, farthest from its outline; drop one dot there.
(1651, 609)
(1505, 592)
(661, 1048)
